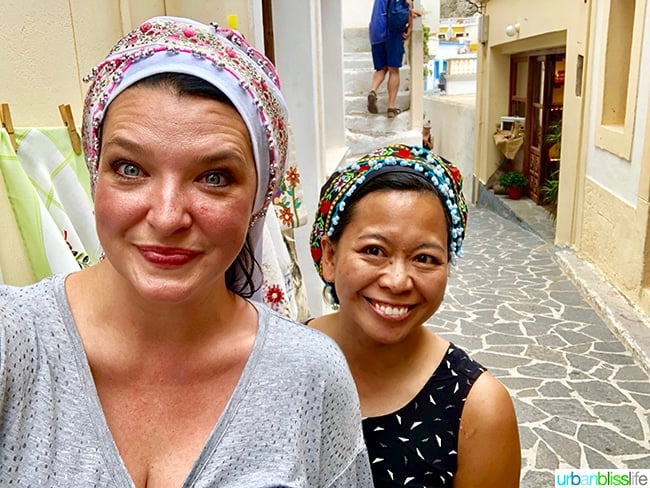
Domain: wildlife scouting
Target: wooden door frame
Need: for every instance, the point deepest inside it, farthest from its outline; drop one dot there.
(267, 21)
(548, 57)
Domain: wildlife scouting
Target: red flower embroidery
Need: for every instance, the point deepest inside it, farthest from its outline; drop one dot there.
(293, 176)
(145, 27)
(316, 254)
(455, 173)
(404, 153)
(286, 216)
(325, 206)
(274, 294)
(189, 32)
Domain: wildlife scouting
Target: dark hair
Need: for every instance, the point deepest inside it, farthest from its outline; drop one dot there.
(183, 84)
(247, 263)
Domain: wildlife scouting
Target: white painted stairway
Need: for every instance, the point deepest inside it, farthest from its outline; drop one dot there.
(365, 131)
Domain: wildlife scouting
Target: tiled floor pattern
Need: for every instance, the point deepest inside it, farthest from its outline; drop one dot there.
(581, 400)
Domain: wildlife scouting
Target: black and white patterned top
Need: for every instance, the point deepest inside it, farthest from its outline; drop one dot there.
(417, 445)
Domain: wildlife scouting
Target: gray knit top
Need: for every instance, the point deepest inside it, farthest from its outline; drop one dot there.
(293, 418)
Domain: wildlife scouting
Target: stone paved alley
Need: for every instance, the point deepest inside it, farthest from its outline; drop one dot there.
(582, 399)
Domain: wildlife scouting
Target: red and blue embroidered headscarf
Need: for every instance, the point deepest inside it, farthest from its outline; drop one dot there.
(344, 182)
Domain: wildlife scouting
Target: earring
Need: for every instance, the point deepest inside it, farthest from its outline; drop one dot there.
(329, 295)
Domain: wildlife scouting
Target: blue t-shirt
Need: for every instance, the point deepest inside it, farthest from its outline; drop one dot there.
(378, 26)
(379, 22)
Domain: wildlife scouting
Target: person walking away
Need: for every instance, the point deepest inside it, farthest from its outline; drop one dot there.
(386, 230)
(387, 53)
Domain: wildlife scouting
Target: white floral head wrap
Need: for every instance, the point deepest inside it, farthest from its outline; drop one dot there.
(219, 56)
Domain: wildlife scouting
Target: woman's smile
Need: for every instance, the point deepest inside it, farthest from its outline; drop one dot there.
(167, 257)
(390, 311)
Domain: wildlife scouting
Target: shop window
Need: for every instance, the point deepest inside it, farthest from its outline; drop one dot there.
(621, 45)
(518, 86)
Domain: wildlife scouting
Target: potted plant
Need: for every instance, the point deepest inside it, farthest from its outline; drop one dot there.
(514, 182)
(554, 140)
(550, 193)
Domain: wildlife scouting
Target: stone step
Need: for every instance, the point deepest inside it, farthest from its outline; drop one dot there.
(358, 104)
(357, 60)
(355, 39)
(375, 124)
(357, 81)
(360, 144)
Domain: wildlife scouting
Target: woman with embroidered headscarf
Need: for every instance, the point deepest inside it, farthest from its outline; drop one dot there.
(154, 367)
(386, 229)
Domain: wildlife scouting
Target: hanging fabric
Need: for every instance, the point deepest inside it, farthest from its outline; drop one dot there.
(49, 193)
(15, 268)
(289, 215)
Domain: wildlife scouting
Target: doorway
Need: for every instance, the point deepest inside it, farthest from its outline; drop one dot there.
(537, 93)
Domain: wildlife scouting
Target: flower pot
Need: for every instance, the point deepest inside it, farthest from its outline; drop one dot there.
(514, 192)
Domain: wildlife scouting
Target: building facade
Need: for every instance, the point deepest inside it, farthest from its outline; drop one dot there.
(578, 64)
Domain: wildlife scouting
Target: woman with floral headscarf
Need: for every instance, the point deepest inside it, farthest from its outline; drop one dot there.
(153, 367)
(386, 230)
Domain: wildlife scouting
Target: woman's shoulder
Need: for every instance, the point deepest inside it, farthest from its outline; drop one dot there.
(296, 338)
(459, 362)
(30, 322)
(307, 357)
(18, 303)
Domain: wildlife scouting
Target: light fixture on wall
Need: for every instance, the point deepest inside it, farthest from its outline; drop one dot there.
(512, 30)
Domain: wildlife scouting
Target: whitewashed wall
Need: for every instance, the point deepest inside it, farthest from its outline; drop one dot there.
(356, 13)
(452, 127)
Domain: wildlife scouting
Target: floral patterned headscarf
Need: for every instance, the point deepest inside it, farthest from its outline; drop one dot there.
(219, 56)
(444, 176)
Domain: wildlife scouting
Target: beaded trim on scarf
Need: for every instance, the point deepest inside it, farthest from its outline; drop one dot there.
(444, 176)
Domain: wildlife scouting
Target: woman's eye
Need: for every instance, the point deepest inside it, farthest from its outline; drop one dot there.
(427, 259)
(215, 179)
(372, 250)
(127, 169)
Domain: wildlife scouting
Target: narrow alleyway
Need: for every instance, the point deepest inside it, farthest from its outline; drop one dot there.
(582, 401)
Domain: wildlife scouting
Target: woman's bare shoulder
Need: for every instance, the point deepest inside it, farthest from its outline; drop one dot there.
(489, 452)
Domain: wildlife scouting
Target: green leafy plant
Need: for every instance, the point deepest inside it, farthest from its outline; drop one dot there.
(426, 32)
(513, 179)
(554, 133)
(554, 137)
(549, 193)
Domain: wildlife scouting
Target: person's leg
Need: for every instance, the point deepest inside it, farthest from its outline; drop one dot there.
(395, 53)
(393, 86)
(379, 62)
(378, 78)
